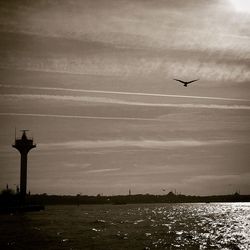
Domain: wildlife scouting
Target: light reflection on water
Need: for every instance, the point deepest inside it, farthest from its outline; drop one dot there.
(156, 226)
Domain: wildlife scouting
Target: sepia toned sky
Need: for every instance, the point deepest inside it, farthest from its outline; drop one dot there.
(93, 82)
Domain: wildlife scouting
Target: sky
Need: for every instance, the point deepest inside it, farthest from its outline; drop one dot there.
(93, 83)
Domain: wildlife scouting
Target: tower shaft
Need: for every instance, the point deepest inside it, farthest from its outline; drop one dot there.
(23, 145)
(23, 176)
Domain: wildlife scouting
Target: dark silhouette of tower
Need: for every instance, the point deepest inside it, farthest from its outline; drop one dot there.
(23, 145)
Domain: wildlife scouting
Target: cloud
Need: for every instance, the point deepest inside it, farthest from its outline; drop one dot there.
(76, 165)
(226, 178)
(153, 144)
(82, 117)
(199, 42)
(105, 170)
(128, 23)
(88, 99)
(121, 93)
(145, 43)
(132, 64)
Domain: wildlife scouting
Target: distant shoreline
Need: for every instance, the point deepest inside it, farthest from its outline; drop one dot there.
(46, 199)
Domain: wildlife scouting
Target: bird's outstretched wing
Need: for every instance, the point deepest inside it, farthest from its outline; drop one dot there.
(192, 81)
(179, 81)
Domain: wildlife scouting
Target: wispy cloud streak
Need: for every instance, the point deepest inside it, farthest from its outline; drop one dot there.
(88, 99)
(122, 93)
(105, 170)
(82, 117)
(131, 143)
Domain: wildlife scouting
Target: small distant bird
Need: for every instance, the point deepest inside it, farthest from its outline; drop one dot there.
(185, 83)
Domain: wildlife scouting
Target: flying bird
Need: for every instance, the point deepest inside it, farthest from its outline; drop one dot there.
(185, 83)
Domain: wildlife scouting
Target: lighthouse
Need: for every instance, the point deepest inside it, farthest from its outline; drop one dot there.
(23, 145)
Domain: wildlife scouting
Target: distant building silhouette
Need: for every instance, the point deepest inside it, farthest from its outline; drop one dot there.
(17, 189)
(23, 145)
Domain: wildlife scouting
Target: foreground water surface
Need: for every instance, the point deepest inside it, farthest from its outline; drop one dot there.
(137, 226)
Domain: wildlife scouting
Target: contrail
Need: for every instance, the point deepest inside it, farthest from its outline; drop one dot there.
(80, 117)
(124, 93)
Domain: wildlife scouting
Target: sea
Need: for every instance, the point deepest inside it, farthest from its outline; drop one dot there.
(221, 226)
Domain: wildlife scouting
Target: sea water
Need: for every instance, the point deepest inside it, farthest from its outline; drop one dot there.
(136, 226)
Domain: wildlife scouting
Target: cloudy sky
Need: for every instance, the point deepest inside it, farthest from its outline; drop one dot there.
(93, 82)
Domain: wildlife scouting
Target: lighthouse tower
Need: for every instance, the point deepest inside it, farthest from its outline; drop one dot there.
(23, 145)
